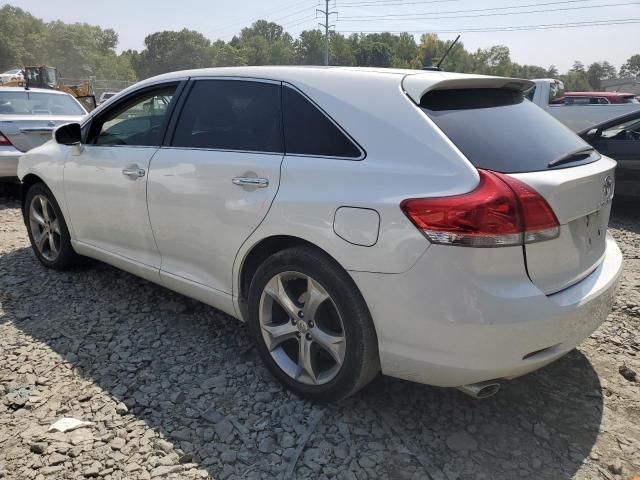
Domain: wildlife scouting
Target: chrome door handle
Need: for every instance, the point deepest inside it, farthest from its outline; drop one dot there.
(256, 182)
(133, 172)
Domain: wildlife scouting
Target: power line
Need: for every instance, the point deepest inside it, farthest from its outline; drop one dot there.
(466, 10)
(382, 3)
(266, 13)
(548, 26)
(427, 16)
(300, 21)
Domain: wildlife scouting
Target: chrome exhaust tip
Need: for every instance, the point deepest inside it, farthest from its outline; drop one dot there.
(481, 390)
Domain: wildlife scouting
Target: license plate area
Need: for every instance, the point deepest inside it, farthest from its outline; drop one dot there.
(589, 236)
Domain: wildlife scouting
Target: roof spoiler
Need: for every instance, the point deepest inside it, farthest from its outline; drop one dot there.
(416, 85)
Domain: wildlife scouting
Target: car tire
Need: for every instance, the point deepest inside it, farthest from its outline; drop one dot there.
(331, 351)
(47, 229)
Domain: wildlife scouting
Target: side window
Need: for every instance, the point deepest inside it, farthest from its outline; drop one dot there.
(137, 122)
(231, 115)
(308, 131)
(629, 130)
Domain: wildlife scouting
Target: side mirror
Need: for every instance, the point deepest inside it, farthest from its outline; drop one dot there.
(593, 134)
(68, 134)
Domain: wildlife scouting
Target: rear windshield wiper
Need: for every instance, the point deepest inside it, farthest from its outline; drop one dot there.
(579, 154)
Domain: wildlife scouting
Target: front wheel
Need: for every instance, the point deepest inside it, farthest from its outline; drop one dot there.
(47, 229)
(311, 325)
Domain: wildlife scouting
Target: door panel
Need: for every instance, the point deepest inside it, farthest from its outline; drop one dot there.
(106, 179)
(200, 217)
(212, 187)
(108, 209)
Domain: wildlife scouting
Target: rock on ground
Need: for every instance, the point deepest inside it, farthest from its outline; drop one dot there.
(175, 391)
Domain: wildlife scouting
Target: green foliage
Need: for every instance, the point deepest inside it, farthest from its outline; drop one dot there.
(631, 68)
(576, 81)
(309, 47)
(168, 51)
(266, 43)
(80, 50)
(599, 71)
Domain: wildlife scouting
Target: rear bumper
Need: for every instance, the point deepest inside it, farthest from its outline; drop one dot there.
(462, 315)
(9, 157)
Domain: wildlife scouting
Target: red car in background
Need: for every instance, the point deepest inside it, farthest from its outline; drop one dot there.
(595, 98)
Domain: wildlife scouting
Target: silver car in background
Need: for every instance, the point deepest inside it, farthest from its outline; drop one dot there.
(27, 120)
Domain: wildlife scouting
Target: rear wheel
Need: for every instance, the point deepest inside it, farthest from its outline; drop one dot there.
(47, 229)
(311, 325)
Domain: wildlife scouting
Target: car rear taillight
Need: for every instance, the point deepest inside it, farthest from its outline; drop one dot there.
(501, 211)
(4, 141)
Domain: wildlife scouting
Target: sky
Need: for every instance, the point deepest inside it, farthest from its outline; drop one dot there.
(611, 40)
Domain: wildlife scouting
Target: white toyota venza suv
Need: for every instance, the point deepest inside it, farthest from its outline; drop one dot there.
(436, 227)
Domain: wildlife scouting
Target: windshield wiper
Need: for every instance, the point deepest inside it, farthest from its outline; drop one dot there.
(579, 154)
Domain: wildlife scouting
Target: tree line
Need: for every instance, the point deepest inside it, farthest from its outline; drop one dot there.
(80, 50)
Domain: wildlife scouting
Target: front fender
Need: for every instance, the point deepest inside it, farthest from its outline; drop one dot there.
(46, 162)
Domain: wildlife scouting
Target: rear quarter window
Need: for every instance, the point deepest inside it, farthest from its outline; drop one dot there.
(308, 131)
(499, 130)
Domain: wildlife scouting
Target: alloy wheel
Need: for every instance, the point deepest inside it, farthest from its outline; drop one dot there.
(302, 328)
(45, 227)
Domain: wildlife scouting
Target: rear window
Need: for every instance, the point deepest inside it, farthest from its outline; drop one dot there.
(496, 129)
(38, 103)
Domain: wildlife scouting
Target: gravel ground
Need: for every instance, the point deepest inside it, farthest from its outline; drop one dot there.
(174, 389)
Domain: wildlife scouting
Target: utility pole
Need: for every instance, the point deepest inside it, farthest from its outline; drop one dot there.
(327, 13)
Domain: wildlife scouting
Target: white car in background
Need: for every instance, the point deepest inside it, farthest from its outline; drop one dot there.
(433, 226)
(27, 120)
(10, 75)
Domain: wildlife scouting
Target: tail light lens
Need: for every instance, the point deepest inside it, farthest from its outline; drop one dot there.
(4, 141)
(501, 211)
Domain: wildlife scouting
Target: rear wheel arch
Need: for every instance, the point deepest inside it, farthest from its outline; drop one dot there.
(257, 255)
(264, 249)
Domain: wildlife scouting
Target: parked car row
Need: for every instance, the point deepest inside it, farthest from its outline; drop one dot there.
(449, 232)
(580, 110)
(28, 119)
(596, 98)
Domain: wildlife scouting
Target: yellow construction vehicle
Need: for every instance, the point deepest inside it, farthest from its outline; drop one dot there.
(49, 77)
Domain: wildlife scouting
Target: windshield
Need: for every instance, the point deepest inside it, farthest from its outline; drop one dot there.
(15, 71)
(630, 100)
(497, 129)
(38, 103)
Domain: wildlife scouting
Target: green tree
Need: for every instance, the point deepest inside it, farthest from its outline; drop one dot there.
(22, 37)
(599, 71)
(631, 68)
(578, 67)
(169, 50)
(493, 61)
(309, 47)
(340, 50)
(576, 81)
(372, 53)
(225, 55)
(266, 43)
